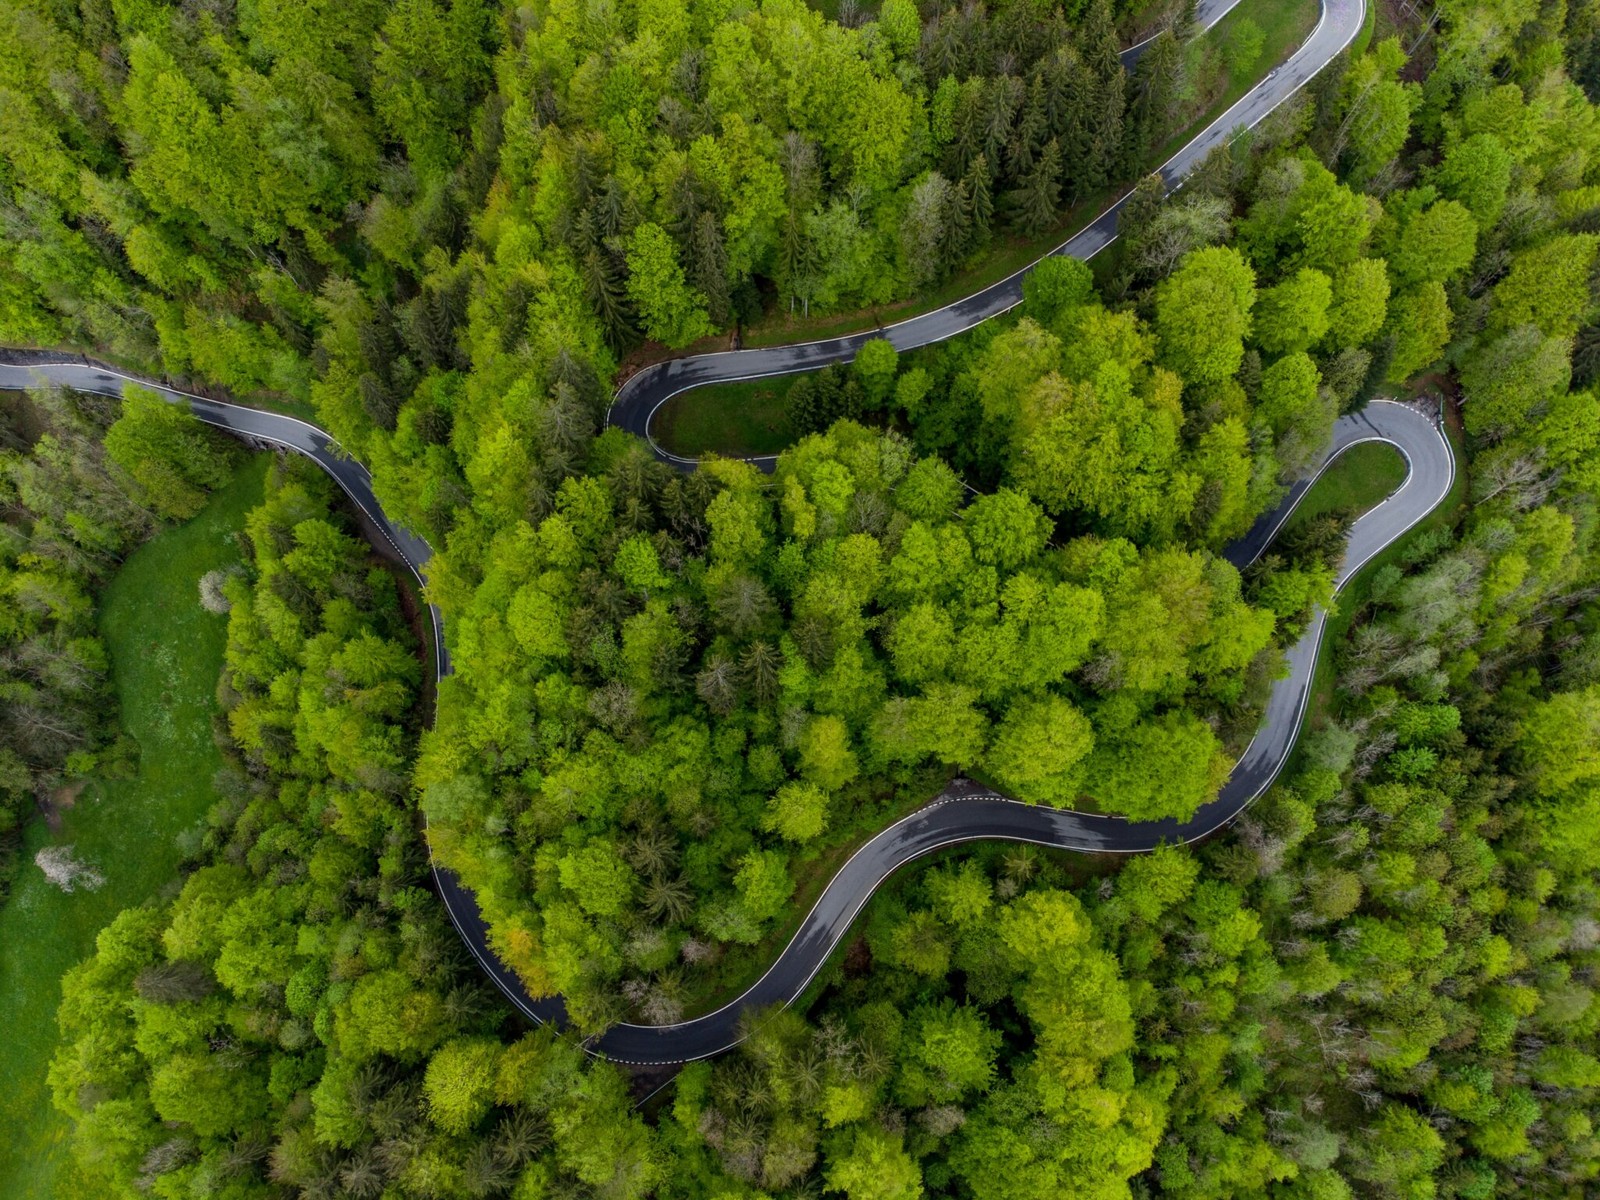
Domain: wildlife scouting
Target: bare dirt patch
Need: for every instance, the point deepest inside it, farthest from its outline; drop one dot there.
(63, 798)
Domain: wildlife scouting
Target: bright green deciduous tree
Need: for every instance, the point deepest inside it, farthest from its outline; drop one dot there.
(1039, 748)
(825, 753)
(1477, 172)
(1510, 381)
(673, 312)
(1419, 319)
(797, 812)
(1054, 285)
(1560, 741)
(1006, 528)
(876, 364)
(1152, 883)
(169, 454)
(1203, 314)
(460, 1082)
(1165, 766)
(1360, 302)
(871, 1164)
(947, 1054)
(1548, 287)
(1434, 245)
(1294, 314)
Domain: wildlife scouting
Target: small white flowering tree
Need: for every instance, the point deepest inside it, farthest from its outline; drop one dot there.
(213, 597)
(64, 870)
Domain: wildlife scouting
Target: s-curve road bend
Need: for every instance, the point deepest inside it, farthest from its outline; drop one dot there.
(964, 812)
(638, 399)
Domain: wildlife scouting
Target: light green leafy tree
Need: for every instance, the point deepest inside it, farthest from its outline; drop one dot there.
(673, 312)
(1203, 314)
(167, 452)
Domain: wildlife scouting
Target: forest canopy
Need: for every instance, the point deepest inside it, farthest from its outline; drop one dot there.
(440, 226)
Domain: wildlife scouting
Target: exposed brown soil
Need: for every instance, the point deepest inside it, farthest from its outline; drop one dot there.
(63, 798)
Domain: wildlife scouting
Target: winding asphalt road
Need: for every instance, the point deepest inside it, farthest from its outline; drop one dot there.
(643, 394)
(964, 811)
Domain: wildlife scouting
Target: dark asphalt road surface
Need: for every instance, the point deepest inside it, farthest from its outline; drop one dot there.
(643, 393)
(964, 812)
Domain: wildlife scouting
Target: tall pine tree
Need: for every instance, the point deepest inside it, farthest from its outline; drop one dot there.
(1036, 201)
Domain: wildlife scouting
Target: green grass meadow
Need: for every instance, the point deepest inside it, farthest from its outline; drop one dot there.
(1361, 478)
(166, 656)
(740, 418)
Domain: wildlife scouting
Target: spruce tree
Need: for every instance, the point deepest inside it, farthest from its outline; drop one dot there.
(1104, 131)
(1002, 99)
(957, 227)
(1137, 214)
(1029, 133)
(602, 287)
(1153, 85)
(982, 200)
(1036, 201)
(708, 265)
(1099, 41)
(1077, 89)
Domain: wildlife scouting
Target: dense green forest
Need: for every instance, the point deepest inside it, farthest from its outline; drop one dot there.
(680, 698)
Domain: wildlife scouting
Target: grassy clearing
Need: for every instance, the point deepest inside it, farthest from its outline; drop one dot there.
(727, 418)
(1284, 24)
(1361, 478)
(166, 656)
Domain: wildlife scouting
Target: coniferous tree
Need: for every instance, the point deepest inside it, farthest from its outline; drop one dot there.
(708, 266)
(1154, 82)
(1138, 214)
(977, 183)
(968, 122)
(1036, 201)
(1098, 41)
(958, 224)
(1104, 133)
(1072, 129)
(1029, 134)
(799, 263)
(604, 289)
(685, 204)
(1003, 98)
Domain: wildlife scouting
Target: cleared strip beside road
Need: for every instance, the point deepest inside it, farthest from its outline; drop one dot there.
(964, 812)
